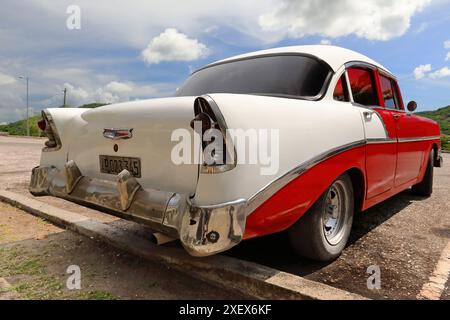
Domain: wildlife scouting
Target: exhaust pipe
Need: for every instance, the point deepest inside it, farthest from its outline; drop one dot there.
(159, 238)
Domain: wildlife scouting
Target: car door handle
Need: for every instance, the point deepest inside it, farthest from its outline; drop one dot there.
(368, 114)
(396, 116)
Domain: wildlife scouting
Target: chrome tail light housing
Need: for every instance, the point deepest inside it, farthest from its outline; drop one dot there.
(208, 114)
(47, 125)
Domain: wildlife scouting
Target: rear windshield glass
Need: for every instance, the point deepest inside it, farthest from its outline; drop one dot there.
(284, 75)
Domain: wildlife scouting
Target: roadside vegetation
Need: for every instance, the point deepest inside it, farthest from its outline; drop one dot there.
(442, 116)
(19, 128)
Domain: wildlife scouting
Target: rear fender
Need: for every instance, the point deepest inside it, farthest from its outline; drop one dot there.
(291, 202)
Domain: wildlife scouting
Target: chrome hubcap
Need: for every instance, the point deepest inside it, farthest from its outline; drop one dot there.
(335, 213)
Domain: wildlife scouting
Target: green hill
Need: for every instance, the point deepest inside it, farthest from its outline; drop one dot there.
(19, 128)
(93, 105)
(441, 116)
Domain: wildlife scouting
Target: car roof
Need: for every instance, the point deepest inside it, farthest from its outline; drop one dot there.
(333, 55)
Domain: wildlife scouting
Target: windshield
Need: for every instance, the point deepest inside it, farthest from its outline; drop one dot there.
(283, 75)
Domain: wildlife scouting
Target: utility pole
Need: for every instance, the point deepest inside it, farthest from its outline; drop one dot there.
(65, 94)
(28, 114)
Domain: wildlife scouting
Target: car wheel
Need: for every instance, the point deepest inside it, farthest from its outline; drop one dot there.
(322, 233)
(425, 187)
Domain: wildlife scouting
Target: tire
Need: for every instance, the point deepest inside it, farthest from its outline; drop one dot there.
(318, 235)
(425, 187)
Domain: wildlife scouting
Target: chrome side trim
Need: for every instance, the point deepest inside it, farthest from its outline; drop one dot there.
(270, 189)
(380, 140)
(414, 139)
(368, 65)
(349, 88)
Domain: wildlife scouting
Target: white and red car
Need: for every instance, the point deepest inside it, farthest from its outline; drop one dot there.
(344, 143)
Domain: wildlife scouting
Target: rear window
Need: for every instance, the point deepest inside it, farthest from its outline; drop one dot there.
(363, 86)
(284, 75)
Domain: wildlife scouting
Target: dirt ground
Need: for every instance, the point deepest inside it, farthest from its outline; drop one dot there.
(404, 236)
(35, 255)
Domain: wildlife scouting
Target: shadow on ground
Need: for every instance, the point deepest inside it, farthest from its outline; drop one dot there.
(275, 251)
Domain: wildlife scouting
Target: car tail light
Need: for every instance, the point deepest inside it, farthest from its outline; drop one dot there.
(53, 143)
(207, 113)
(42, 124)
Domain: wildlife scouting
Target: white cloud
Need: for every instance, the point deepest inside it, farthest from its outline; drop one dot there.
(119, 87)
(6, 79)
(447, 44)
(422, 27)
(172, 45)
(325, 42)
(76, 93)
(447, 57)
(421, 71)
(440, 73)
(104, 51)
(112, 92)
(370, 19)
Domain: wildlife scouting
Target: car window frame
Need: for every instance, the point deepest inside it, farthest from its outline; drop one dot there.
(345, 88)
(394, 91)
(374, 79)
(376, 70)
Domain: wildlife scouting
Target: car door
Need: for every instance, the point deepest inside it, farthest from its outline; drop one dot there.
(411, 149)
(381, 153)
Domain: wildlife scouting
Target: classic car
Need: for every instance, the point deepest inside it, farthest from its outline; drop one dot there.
(344, 144)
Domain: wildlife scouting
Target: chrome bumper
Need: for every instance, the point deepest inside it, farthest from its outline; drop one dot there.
(439, 162)
(203, 230)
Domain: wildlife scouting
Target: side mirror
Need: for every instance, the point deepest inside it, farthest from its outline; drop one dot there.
(412, 106)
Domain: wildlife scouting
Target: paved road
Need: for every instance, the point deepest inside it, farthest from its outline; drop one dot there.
(404, 236)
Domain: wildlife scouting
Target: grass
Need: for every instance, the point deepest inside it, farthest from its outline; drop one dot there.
(32, 281)
(97, 295)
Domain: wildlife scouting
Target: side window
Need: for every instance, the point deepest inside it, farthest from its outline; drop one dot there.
(389, 92)
(340, 92)
(363, 86)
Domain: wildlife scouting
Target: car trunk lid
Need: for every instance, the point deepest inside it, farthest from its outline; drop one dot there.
(151, 124)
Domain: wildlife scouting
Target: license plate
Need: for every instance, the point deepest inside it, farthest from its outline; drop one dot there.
(115, 165)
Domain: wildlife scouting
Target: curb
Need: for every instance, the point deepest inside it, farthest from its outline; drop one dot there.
(247, 278)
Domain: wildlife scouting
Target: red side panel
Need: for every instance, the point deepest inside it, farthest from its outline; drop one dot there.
(380, 168)
(291, 202)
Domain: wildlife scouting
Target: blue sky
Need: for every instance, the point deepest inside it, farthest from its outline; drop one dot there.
(136, 49)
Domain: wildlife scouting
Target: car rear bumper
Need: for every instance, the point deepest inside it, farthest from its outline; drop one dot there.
(203, 230)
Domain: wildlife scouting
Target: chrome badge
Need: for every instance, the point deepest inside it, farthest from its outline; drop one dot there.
(116, 134)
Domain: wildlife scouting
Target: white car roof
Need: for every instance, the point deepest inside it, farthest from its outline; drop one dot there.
(334, 56)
